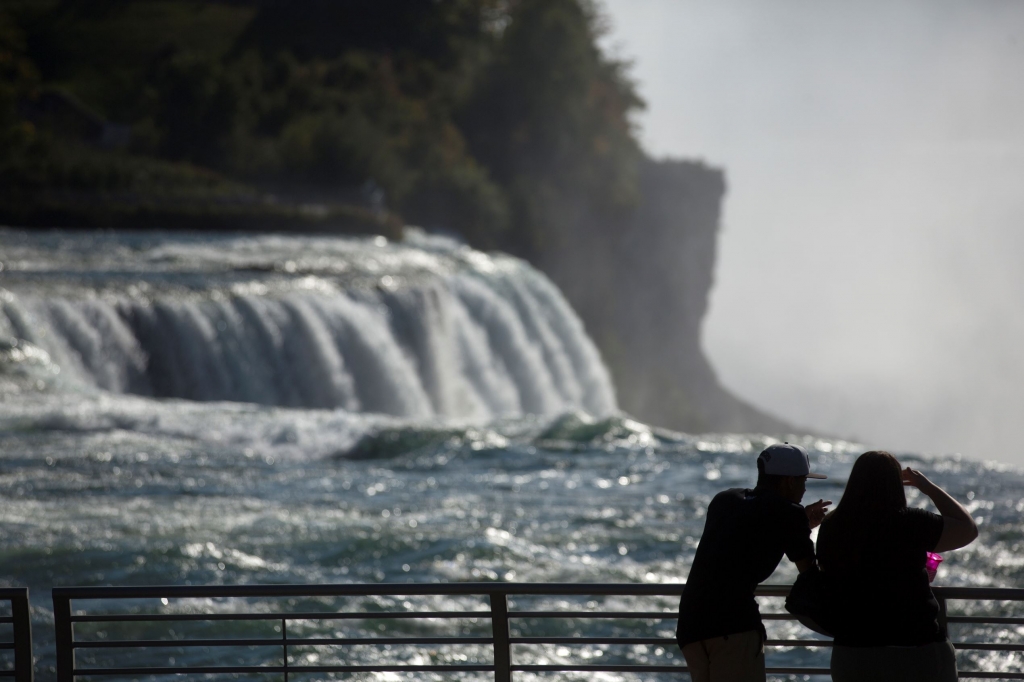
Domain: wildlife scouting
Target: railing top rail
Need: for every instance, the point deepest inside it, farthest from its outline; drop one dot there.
(13, 592)
(454, 588)
(374, 589)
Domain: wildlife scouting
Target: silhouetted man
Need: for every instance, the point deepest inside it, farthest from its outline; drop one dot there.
(745, 535)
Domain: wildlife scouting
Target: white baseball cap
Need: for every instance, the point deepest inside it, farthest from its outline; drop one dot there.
(783, 459)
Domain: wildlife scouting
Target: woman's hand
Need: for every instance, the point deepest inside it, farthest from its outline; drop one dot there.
(816, 512)
(958, 528)
(916, 479)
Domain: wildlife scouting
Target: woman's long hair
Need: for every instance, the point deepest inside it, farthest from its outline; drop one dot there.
(874, 489)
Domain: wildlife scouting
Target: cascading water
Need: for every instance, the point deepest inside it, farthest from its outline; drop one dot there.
(424, 329)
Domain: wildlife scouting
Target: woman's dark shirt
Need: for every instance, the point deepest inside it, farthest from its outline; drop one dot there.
(880, 589)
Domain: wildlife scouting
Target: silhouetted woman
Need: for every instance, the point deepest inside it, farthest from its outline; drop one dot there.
(872, 548)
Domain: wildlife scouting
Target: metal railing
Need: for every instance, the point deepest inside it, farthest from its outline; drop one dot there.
(20, 643)
(272, 631)
(946, 595)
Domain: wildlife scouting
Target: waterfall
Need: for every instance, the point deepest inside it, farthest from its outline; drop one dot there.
(476, 339)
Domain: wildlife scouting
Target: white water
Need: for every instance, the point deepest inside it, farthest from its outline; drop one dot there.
(420, 330)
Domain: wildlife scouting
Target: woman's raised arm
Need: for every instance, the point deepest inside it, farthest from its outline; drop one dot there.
(958, 527)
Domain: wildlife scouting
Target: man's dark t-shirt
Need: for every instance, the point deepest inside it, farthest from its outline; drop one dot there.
(745, 535)
(875, 567)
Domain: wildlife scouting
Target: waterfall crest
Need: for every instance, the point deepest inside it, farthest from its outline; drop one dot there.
(476, 337)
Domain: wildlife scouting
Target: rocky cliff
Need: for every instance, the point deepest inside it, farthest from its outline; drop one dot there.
(641, 286)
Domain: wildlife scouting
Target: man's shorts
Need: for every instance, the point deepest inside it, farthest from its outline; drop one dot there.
(732, 658)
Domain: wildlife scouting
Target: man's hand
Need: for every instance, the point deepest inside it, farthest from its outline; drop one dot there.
(816, 512)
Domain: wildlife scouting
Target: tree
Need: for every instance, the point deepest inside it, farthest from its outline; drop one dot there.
(18, 80)
(550, 120)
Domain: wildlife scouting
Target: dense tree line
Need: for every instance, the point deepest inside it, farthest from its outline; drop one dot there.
(499, 119)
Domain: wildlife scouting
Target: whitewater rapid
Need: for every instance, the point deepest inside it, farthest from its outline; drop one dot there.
(425, 328)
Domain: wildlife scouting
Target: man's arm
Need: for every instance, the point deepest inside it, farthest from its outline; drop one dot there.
(815, 513)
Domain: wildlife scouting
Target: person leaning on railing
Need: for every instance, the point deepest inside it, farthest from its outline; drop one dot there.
(745, 535)
(872, 551)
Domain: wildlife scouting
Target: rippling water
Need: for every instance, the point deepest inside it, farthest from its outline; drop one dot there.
(108, 476)
(123, 490)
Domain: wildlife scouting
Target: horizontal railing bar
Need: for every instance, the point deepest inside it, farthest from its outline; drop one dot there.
(6, 619)
(291, 641)
(592, 640)
(992, 620)
(206, 670)
(466, 615)
(341, 641)
(980, 593)
(637, 615)
(320, 615)
(982, 646)
(649, 669)
(477, 588)
(529, 668)
(464, 588)
(300, 615)
(385, 589)
(660, 641)
(813, 643)
(469, 667)
(424, 615)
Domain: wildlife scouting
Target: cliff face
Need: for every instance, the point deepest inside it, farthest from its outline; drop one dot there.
(641, 283)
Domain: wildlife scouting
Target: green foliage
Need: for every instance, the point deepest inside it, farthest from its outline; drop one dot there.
(18, 80)
(550, 118)
(500, 119)
(58, 165)
(194, 106)
(101, 50)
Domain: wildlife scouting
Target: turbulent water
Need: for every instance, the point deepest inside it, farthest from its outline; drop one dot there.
(263, 410)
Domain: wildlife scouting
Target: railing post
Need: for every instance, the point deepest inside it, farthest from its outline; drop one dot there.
(943, 616)
(284, 645)
(64, 637)
(23, 663)
(499, 628)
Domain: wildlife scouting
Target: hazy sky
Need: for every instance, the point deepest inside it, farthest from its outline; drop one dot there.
(869, 279)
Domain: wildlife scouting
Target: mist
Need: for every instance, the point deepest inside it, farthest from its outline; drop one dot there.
(868, 282)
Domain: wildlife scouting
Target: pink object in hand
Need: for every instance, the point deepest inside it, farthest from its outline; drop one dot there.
(931, 564)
